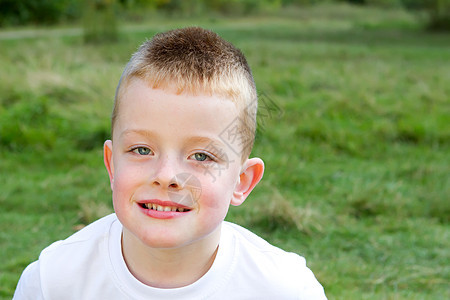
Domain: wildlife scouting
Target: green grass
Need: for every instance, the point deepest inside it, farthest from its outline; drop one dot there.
(358, 165)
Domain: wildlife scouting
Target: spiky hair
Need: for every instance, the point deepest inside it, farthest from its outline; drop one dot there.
(195, 61)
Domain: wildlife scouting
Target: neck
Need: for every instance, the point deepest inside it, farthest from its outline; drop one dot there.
(169, 268)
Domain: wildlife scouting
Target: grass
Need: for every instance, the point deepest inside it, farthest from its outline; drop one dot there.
(358, 164)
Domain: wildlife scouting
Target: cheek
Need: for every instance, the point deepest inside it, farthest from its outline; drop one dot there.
(214, 206)
(216, 195)
(211, 199)
(124, 188)
(217, 192)
(125, 181)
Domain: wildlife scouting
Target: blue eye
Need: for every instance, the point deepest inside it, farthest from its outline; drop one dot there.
(201, 157)
(142, 150)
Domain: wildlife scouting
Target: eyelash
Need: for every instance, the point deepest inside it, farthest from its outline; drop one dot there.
(136, 150)
(209, 157)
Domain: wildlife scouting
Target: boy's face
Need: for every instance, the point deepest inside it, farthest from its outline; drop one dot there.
(172, 177)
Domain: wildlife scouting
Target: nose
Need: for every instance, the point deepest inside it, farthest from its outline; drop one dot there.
(165, 174)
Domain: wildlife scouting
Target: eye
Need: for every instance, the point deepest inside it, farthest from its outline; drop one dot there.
(142, 150)
(199, 156)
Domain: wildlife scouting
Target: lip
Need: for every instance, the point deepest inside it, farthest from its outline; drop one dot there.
(162, 214)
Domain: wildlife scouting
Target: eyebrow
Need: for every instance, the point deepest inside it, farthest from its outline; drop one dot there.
(215, 142)
(142, 132)
(203, 139)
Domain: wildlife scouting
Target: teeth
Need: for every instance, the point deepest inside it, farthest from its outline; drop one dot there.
(163, 208)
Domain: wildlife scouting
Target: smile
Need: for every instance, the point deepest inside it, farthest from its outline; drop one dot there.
(160, 209)
(157, 207)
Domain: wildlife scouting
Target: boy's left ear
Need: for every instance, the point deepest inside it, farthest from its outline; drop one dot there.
(251, 174)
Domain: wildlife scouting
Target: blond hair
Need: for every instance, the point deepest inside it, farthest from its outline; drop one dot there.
(196, 61)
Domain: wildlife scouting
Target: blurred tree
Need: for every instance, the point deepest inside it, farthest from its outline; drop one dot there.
(184, 8)
(438, 12)
(143, 4)
(299, 2)
(18, 12)
(220, 7)
(440, 15)
(100, 21)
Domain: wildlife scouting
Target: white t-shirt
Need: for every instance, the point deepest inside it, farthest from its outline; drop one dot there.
(90, 265)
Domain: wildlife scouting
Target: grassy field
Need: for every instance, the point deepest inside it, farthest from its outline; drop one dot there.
(357, 155)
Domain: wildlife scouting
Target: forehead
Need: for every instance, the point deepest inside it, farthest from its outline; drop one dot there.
(142, 107)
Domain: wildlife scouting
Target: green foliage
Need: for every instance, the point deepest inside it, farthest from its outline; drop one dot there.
(99, 17)
(438, 12)
(221, 7)
(100, 21)
(97, 14)
(21, 12)
(34, 122)
(26, 123)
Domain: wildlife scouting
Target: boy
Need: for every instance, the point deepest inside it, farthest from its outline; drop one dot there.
(183, 126)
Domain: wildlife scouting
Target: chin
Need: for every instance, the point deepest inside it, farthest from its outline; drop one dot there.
(155, 237)
(163, 242)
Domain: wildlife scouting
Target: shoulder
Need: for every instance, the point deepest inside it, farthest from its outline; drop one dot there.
(251, 244)
(271, 267)
(59, 264)
(29, 285)
(95, 230)
(80, 243)
(65, 264)
(262, 252)
(249, 239)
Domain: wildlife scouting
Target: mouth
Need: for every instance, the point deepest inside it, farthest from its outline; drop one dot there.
(163, 208)
(160, 209)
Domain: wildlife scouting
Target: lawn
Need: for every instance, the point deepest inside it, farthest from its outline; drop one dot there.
(353, 128)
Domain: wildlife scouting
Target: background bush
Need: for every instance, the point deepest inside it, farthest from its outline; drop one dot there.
(22, 12)
(99, 21)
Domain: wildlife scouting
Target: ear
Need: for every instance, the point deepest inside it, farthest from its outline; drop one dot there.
(108, 160)
(251, 174)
